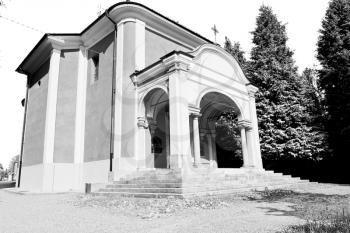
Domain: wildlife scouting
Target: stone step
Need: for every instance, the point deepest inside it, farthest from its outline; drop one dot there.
(212, 180)
(141, 195)
(147, 185)
(166, 183)
(155, 188)
(157, 194)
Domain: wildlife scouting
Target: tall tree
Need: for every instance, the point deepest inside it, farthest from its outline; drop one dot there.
(284, 120)
(236, 51)
(333, 52)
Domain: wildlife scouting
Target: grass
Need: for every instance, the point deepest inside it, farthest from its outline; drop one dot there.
(339, 223)
(322, 213)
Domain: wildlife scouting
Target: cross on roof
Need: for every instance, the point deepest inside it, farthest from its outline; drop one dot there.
(215, 30)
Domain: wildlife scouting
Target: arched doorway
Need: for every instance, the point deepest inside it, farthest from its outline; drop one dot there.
(156, 104)
(220, 141)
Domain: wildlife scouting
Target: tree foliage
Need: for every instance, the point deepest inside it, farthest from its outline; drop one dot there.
(14, 159)
(333, 53)
(2, 172)
(236, 51)
(285, 122)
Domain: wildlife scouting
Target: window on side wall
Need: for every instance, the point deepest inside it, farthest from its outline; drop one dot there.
(94, 61)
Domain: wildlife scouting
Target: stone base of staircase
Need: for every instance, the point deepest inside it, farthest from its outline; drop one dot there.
(163, 183)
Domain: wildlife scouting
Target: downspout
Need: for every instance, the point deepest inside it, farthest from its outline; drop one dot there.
(111, 146)
(22, 142)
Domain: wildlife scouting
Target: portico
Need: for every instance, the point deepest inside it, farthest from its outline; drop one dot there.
(180, 99)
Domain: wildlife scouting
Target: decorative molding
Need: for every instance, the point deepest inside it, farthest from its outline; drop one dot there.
(142, 123)
(194, 111)
(245, 124)
(223, 54)
(174, 61)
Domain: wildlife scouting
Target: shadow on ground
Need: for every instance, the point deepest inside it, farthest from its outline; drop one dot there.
(302, 205)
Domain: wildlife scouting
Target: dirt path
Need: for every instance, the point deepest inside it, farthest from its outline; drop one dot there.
(60, 213)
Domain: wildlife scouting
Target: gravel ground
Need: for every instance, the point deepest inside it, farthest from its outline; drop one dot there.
(72, 212)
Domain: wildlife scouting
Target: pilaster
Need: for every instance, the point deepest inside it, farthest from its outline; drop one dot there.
(79, 136)
(257, 160)
(50, 121)
(118, 99)
(196, 140)
(179, 120)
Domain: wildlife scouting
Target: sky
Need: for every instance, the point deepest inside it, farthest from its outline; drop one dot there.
(23, 23)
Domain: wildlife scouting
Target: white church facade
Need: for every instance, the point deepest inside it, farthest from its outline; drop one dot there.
(134, 91)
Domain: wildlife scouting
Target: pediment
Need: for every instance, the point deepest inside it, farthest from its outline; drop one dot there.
(216, 59)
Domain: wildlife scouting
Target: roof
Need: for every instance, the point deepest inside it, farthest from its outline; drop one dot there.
(46, 35)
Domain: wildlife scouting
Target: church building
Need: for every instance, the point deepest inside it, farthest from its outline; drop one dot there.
(135, 91)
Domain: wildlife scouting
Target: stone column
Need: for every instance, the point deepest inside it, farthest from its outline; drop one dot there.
(210, 151)
(142, 126)
(167, 140)
(196, 141)
(179, 119)
(244, 144)
(255, 144)
(50, 122)
(215, 159)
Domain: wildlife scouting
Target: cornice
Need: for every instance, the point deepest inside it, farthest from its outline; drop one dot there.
(174, 61)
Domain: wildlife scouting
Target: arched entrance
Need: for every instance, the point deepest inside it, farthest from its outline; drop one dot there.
(156, 106)
(220, 141)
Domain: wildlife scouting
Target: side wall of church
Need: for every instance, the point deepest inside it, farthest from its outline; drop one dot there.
(157, 46)
(65, 110)
(98, 102)
(36, 115)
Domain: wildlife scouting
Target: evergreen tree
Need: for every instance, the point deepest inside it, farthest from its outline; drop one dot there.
(333, 52)
(285, 124)
(236, 51)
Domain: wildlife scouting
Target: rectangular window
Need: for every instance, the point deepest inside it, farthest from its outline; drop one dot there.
(95, 61)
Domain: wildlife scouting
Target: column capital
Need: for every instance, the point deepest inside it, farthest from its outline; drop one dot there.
(251, 90)
(194, 111)
(56, 50)
(245, 124)
(142, 122)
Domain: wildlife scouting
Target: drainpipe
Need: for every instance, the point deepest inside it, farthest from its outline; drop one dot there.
(111, 147)
(22, 142)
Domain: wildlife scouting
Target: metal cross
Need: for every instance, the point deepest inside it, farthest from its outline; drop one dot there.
(215, 30)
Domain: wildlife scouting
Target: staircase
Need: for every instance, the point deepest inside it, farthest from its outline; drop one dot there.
(162, 183)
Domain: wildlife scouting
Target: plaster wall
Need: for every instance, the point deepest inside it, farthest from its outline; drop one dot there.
(157, 46)
(32, 177)
(65, 111)
(36, 115)
(98, 103)
(96, 171)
